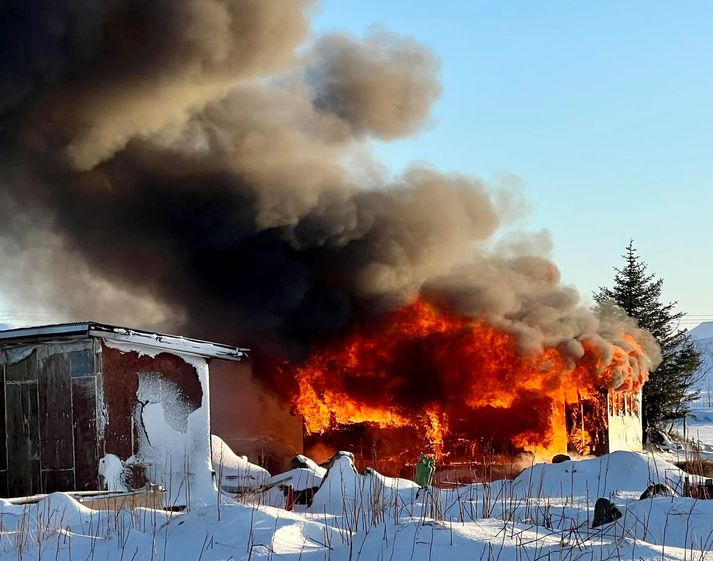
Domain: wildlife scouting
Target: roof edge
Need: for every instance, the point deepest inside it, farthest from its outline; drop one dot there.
(175, 343)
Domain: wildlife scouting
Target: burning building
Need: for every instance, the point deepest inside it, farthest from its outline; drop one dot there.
(82, 399)
(209, 166)
(463, 390)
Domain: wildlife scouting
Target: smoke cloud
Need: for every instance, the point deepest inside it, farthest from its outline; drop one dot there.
(383, 86)
(203, 165)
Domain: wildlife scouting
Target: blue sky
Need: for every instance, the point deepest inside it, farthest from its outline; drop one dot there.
(602, 109)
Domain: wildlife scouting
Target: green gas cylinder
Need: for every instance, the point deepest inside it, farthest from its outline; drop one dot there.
(425, 468)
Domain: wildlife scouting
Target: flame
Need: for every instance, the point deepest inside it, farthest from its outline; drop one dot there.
(436, 430)
(448, 377)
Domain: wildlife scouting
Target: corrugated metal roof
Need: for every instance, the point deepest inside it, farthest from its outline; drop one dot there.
(163, 341)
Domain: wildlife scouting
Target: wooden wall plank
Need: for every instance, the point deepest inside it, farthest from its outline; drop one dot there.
(23, 440)
(3, 432)
(22, 371)
(55, 411)
(3, 484)
(57, 480)
(84, 415)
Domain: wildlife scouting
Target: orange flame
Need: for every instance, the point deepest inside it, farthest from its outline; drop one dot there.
(444, 376)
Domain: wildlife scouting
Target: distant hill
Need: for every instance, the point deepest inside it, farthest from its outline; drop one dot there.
(703, 331)
(4, 326)
(703, 336)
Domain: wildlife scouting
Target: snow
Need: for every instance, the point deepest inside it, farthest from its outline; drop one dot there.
(598, 477)
(681, 522)
(299, 478)
(233, 471)
(157, 341)
(699, 428)
(311, 465)
(111, 468)
(544, 513)
(340, 489)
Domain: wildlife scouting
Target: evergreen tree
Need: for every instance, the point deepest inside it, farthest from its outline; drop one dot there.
(667, 395)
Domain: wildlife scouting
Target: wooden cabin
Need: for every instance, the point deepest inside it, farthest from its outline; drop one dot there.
(81, 397)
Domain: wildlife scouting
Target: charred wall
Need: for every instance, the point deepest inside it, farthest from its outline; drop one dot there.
(121, 371)
(48, 432)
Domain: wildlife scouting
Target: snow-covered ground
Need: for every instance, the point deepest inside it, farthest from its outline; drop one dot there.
(699, 431)
(545, 513)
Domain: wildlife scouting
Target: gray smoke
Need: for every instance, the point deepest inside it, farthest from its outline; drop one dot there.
(383, 86)
(204, 165)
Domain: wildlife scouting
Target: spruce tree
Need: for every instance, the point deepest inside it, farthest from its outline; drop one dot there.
(668, 393)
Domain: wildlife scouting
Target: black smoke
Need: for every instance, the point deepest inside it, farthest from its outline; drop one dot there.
(203, 166)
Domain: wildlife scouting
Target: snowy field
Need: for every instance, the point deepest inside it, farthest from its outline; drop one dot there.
(699, 430)
(545, 513)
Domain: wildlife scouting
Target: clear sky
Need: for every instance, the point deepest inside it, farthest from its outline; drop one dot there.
(603, 109)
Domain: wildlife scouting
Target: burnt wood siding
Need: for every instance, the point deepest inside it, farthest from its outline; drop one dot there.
(22, 426)
(23, 439)
(3, 438)
(86, 453)
(56, 440)
(22, 371)
(48, 433)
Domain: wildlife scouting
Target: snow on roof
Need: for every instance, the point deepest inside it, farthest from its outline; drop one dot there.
(163, 341)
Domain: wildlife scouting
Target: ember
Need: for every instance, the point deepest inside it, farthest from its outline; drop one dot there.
(429, 380)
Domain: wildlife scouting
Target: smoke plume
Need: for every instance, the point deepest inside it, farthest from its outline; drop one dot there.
(203, 165)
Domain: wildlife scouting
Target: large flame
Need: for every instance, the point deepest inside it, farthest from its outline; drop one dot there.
(452, 379)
